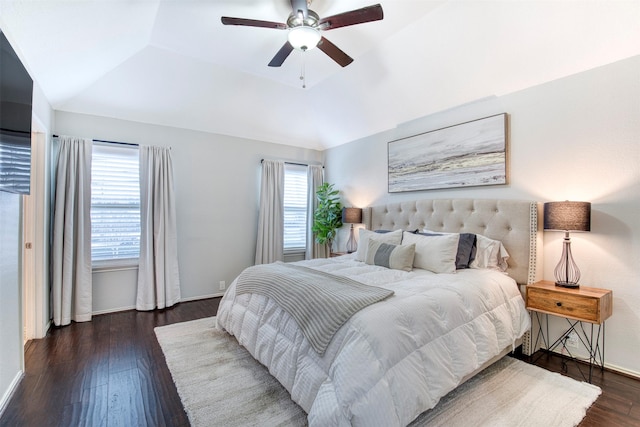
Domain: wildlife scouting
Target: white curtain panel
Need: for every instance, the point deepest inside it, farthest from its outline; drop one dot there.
(158, 274)
(71, 249)
(270, 242)
(315, 178)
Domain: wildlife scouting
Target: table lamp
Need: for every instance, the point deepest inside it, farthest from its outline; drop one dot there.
(352, 216)
(567, 216)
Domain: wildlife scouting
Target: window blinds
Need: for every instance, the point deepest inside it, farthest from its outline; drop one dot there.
(295, 207)
(115, 202)
(15, 163)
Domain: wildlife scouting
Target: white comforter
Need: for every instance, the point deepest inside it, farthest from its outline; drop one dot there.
(392, 360)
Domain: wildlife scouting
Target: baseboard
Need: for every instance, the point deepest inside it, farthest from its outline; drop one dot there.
(199, 297)
(9, 393)
(622, 371)
(113, 310)
(607, 366)
(133, 307)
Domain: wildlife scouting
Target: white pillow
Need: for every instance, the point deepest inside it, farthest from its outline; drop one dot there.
(489, 254)
(434, 253)
(392, 237)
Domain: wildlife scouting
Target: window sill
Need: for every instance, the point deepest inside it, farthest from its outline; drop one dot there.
(115, 265)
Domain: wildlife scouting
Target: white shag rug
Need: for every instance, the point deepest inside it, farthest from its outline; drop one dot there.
(220, 384)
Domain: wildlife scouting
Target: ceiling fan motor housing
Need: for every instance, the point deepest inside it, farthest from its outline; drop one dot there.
(298, 19)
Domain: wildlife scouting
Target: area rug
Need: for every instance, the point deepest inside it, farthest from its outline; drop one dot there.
(220, 384)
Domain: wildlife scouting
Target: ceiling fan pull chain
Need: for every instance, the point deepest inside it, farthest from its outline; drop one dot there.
(303, 71)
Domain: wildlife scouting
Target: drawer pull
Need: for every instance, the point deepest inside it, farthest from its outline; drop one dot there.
(559, 304)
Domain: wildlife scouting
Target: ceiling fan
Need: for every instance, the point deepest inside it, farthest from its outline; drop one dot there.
(304, 27)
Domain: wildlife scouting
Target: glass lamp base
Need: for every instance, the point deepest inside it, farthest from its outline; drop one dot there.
(352, 246)
(567, 272)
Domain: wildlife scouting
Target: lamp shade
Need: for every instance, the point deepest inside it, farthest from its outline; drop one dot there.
(352, 215)
(304, 37)
(567, 216)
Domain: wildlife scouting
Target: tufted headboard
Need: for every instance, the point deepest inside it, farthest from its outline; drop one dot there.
(515, 223)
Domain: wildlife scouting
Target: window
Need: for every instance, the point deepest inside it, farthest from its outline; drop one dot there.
(115, 204)
(295, 207)
(15, 162)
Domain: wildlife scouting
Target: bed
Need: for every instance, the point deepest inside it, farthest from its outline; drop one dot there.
(396, 357)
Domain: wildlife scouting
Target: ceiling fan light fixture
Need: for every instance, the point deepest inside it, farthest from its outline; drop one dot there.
(304, 37)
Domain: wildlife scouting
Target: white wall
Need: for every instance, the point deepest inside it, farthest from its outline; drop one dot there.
(217, 188)
(10, 283)
(574, 138)
(11, 324)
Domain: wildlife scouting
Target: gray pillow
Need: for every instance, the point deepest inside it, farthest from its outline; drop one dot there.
(466, 250)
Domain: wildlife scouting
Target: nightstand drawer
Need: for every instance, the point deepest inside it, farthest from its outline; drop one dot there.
(585, 304)
(564, 305)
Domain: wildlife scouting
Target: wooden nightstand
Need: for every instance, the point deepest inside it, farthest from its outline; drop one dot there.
(576, 305)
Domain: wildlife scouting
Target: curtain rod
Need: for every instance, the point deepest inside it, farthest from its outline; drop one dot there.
(110, 142)
(294, 163)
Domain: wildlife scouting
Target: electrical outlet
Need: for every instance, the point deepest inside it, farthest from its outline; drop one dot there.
(572, 340)
(223, 285)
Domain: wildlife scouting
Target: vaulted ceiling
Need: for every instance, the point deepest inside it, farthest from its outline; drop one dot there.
(172, 62)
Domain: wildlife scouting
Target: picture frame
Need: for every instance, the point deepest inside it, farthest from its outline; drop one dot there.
(468, 154)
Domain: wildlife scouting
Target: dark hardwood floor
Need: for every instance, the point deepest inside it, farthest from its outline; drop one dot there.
(111, 372)
(107, 372)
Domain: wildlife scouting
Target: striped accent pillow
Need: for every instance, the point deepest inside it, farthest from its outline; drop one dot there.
(397, 257)
(393, 237)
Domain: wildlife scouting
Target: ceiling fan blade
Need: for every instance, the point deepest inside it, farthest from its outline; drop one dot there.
(334, 52)
(358, 16)
(253, 23)
(300, 6)
(282, 54)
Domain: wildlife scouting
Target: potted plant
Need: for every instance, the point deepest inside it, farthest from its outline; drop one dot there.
(327, 218)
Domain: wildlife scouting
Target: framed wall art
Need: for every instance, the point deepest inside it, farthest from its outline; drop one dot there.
(464, 155)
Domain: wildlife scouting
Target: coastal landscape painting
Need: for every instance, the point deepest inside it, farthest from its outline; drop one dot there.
(465, 155)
